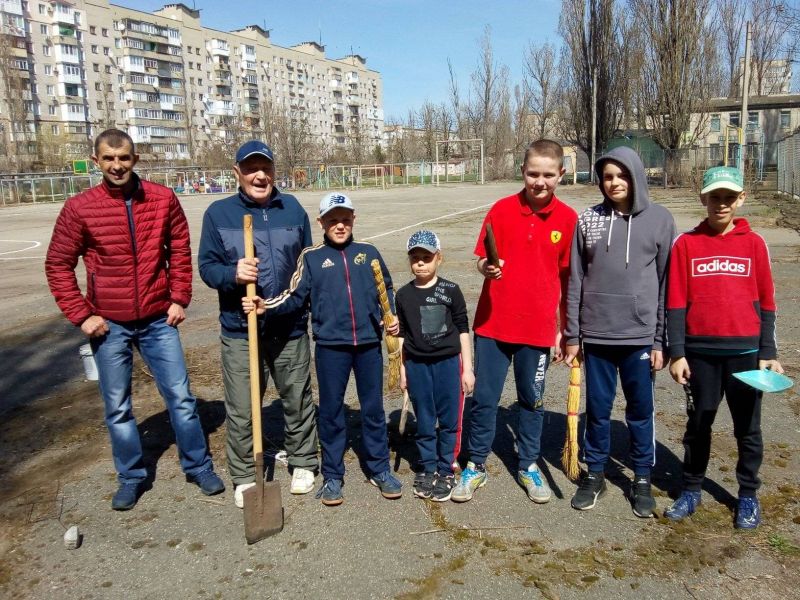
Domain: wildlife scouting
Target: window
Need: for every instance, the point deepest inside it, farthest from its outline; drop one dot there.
(149, 63)
(42, 9)
(54, 128)
(51, 110)
(786, 119)
(752, 119)
(78, 18)
(73, 70)
(92, 29)
(75, 109)
(714, 125)
(46, 50)
(48, 70)
(108, 69)
(95, 67)
(51, 90)
(733, 119)
(43, 29)
(94, 48)
(104, 32)
(106, 50)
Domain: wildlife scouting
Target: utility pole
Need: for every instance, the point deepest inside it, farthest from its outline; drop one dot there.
(745, 94)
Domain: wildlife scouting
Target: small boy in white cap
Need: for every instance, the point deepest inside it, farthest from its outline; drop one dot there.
(336, 278)
(720, 321)
(437, 363)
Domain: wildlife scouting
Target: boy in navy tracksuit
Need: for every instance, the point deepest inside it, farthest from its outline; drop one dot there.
(615, 306)
(721, 320)
(336, 278)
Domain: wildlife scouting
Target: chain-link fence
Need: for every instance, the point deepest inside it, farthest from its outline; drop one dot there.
(788, 176)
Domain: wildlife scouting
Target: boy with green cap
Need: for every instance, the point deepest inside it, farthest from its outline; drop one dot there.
(720, 321)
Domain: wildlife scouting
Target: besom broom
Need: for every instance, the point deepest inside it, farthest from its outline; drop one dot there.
(392, 343)
(569, 455)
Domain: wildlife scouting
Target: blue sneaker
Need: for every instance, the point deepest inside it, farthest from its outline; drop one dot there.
(685, 505)
(535, 485)
(472, 477)
(331, 492)
(388, 484)
(209, 482)
(748, 513)
(127, 495)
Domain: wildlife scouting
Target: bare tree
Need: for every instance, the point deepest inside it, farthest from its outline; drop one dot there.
(771, 41)
(16, 95)
(594, 32)
(679, 75)
(731, 19)
(541, 69)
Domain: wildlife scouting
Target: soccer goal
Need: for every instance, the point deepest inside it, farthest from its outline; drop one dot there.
(459, 161)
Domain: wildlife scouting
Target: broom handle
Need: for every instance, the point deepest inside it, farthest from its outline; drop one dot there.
(252, 339)
(490, 245)
(383, 296)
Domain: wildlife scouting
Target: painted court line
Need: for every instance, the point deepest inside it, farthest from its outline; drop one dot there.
(33, 245)
(439, 218)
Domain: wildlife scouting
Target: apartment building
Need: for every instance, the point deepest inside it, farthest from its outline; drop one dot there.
(174, 85)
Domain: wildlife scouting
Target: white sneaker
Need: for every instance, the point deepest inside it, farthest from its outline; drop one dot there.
(238, 497)
(302, 481)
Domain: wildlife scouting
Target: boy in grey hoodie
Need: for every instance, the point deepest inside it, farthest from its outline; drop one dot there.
(615, 307)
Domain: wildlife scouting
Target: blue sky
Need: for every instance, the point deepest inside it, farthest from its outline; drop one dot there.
(408, 41)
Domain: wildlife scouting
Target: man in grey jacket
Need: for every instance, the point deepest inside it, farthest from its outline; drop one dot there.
(615, 307)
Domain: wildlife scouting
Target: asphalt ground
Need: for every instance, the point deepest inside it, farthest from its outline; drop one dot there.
(56, 469)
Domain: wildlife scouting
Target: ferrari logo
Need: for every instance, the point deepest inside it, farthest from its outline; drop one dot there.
(555, 236)
(360, 258)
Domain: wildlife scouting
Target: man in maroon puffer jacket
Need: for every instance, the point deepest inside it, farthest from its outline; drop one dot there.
(134, 240)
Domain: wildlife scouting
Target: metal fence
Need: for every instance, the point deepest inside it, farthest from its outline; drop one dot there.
(789, 166)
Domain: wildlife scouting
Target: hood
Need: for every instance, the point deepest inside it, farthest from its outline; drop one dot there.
(628, 158)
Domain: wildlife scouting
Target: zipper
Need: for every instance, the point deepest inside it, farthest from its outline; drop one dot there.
(131, 230)
(349, 296)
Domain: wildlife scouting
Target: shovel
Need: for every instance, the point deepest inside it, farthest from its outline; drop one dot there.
(263, 509)
(765, 380)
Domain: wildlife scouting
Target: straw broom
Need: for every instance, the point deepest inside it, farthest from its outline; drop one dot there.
(392, 343)
(569, 455)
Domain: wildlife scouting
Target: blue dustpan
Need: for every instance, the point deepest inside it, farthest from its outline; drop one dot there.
(765, 380)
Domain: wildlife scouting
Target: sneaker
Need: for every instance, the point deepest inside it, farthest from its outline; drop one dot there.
(443, 488)
(591, 487)
(534, 484)
(472, 478)
(748, 513)
(388, 484)
(302, 481)
(238, 493)
(644, 505)
(684, 506)
(331, 492)
(127, 495)
(209, 482)
(423, 484)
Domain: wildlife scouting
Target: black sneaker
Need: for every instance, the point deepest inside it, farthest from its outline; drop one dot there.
(423, 484)
(591, 487)
(644, 505)
(443, 488)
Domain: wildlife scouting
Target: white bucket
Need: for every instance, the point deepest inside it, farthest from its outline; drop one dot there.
(89, 366)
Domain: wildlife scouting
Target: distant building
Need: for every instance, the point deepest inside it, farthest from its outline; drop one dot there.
(776, 78)
(171, 83)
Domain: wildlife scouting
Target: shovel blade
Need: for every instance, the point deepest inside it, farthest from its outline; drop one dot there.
(263, 512)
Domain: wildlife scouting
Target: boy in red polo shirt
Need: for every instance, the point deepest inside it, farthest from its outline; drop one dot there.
(516, 319)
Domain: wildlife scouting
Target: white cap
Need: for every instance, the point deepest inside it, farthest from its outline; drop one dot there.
(334, 200)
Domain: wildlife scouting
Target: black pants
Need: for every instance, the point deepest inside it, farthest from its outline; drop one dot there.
(712, 377)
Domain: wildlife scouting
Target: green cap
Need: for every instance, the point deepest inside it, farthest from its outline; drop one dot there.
(729, 178)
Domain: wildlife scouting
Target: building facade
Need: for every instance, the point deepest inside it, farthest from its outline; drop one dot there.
(70, 69)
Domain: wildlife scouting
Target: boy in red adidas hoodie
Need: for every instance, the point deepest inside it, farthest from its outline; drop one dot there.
(721, 320)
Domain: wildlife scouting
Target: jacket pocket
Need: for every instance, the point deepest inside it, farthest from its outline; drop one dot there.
(612, 314)
(90, 288)
(737, 318)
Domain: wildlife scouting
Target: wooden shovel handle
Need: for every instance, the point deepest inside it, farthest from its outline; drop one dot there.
(252, 339)
(490, 245)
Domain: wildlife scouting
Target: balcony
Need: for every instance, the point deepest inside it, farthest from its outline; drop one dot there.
(337, 107)
(61, 13)
(353, 100)
(218, 48)
(222, 67)
(12, 7)
(335, 83)
(352, 77)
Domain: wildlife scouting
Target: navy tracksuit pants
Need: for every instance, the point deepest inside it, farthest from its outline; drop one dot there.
(602, 362)
(333, 364)
(712, 377)
(435, 390)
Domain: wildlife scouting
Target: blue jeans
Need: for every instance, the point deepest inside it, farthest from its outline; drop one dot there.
(602, 363)
(492, 359)
(160, 347)
(435, 391)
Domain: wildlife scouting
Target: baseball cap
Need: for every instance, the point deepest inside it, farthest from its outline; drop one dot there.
(253, 148)
(334, 200)
(729, 178)
(425, 239)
